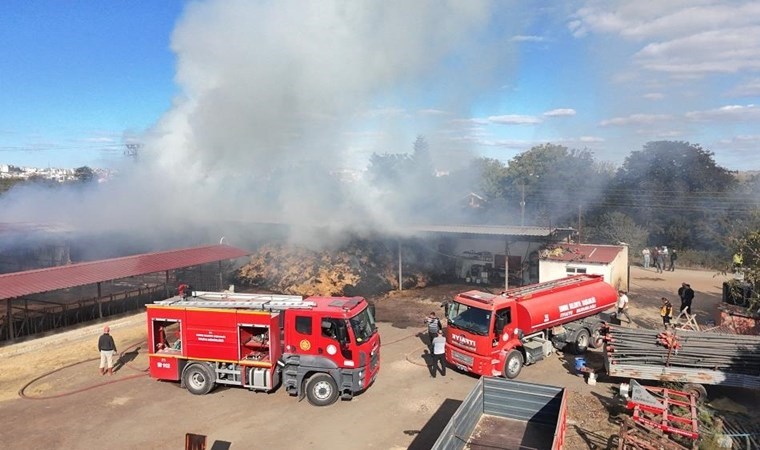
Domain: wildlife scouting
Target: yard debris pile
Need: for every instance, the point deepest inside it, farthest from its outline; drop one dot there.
(362, 267)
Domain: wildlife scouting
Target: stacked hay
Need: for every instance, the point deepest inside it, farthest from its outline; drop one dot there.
(360, 268)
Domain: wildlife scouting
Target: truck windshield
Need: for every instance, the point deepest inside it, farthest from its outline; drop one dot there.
(469, 319)
(363, 325)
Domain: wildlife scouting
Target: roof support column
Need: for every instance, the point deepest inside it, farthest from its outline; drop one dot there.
(506, 264)
(400, 274)
(166, 284)
(221, 277)
(9, 317)
(100, 306)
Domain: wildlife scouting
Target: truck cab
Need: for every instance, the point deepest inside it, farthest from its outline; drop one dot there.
(332, 349)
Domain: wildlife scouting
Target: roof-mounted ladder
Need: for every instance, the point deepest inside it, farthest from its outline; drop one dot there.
(270, 302)
(522, 291)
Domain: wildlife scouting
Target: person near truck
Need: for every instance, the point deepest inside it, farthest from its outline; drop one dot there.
(673, 258)
(107, 348)
(439, 354)
(622, 306)
(433, 327)
(686, 293)
(647, 257)
(666, 311)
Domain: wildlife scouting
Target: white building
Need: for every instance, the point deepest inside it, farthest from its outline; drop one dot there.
(573, 259)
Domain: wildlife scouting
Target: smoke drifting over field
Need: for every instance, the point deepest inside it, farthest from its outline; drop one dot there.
(275, 98)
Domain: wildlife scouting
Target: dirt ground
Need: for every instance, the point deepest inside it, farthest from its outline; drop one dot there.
(75, 407)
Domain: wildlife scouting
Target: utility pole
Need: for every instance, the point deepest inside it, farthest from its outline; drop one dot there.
(522, 206)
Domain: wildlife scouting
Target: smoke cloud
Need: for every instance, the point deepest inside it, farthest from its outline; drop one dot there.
(276, 99)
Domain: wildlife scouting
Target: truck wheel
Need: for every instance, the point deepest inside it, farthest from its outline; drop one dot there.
(321, 390)
(697, 390)
(513, 364)
(582, 339)
(198, 379)
(597, 338)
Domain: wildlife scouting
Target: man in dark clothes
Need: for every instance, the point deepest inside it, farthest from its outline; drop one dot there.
(686, 293)
(673, 258)
(107, 348)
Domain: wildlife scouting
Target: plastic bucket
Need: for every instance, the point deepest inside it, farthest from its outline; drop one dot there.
(580, 364)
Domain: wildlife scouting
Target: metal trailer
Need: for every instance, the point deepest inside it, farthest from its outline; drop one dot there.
(694, 358)
(508, 414)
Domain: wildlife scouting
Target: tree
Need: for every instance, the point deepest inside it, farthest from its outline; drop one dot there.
(668, 185)
(616, 227)
(84, 174)
(555, 182)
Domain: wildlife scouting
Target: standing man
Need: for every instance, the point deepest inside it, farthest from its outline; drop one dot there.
(666, 311)
(439, 354)
(687, 295)
(622, 306)
(673, 258)
(660, 261)
(107, 348)
(647, 257)
(433, 327)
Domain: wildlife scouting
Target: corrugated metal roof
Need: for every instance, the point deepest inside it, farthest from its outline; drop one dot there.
(62, 277)
(489, 230)
(588, 253)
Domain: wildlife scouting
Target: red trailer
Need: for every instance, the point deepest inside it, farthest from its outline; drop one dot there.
(323, 347)
(495, 335)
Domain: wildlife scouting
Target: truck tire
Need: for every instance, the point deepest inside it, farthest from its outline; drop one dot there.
(321, 390)
(581, 341)
(697, 390)
(513, 364)
(198, 379)
(597, 338)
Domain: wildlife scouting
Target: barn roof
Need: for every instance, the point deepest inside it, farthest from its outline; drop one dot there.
(18, 284)
(587, 253)
(494, 230)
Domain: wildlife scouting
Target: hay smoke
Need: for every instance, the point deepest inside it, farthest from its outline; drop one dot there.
(275, 99)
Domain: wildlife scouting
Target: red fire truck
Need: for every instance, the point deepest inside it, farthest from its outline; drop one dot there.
(495, 335)
(323, 347)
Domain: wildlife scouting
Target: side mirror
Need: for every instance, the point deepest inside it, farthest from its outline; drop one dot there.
(445, 306)
(501, 322)
(372, 311)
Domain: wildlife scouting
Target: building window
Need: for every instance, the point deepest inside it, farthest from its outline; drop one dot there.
(575, 270)
(303, 324)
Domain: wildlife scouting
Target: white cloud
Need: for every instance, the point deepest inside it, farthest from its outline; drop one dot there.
(560, 112)
(523, 38)
(385, 112)
(749, 88)
(654, 96)
(590, 139)
(736, 113)
(635, 119)
(514, 119)
(433, 112)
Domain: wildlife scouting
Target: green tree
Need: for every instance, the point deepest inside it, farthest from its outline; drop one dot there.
(616, 227)
(84, 174)
(555, 182)
(675, 190)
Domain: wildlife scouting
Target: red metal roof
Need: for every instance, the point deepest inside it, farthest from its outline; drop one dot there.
(18, 284)
(587, 253)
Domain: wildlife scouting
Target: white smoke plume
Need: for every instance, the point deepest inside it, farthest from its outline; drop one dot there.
(275, 98)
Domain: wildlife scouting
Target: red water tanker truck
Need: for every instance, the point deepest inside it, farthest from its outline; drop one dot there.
(321, 347)
(496, 334)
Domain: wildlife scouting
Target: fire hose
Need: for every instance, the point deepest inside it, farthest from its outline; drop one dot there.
(22, 392)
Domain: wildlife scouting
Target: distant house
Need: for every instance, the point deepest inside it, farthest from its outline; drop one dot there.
(473, 200)
(564, 260)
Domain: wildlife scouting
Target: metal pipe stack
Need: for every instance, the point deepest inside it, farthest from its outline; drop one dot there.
(727, 353)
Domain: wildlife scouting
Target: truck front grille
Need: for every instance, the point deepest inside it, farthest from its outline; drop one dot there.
(462, 358)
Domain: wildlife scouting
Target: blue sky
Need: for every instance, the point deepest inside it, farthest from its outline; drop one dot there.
(79, 79)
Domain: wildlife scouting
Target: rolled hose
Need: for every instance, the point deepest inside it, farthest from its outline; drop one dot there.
(22, 393)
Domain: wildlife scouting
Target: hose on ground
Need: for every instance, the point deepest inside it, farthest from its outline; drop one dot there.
(22, 392)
